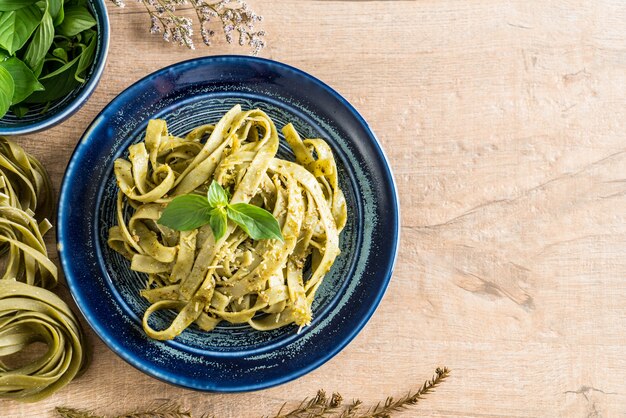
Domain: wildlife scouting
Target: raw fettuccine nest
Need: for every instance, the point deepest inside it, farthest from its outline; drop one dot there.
(28, 312)
(264, 283)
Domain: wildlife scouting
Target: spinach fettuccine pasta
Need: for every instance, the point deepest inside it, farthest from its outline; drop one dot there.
(217, 271)
(29, 313)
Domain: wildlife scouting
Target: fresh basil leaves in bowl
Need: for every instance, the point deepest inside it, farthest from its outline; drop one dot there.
(52, 54)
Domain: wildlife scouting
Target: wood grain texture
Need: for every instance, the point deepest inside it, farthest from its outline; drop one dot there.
(505, 126)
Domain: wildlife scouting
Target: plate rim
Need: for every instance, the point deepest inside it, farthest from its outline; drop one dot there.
(116, 346)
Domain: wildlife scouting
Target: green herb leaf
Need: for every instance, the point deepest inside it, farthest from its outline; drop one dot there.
(187, 212)
(218, 222)
(60, 17)
(61, 69)
(255, 221)
(192, 211)
(60, 53)
(41, 42)
(88, 34)
(72, 3)
(7, 5)
(77, 19)
(55, 8)
(217, 195)
(17, 26)
(19, 110)
(86, 57)
(57, 86)
(24, 79)
(6, 90)
(37, 70)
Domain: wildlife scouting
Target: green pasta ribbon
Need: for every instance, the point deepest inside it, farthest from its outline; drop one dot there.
(24, 182)
(233, 278)
(28, 312)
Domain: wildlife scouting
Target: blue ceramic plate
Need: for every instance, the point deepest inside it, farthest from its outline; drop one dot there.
(230, 358)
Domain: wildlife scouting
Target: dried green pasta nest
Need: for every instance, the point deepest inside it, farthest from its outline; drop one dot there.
(24, 182)
(28, 312)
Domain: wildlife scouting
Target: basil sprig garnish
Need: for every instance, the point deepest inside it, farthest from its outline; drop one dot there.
(192, 211)
(46, 47)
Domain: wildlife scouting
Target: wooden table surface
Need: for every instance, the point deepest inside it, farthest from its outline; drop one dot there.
(505, 125)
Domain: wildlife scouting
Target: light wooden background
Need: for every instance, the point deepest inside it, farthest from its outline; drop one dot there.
(505, 124)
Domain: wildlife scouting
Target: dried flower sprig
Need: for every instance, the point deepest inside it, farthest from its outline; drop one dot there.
(391, 405)
(235, 17)
(66, 412)
(163, 409)
(320, 406)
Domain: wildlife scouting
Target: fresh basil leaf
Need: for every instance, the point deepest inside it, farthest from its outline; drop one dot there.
(51, 58)
(6, 90)
(19, 110)
(55, 8)
(217, 195)
(37, 70)
(60, 53)
(86, 59)
(24, 79)
(186, 212)
(77, 19)
(72, 3)
(88, 34)
(7, 5)
(65, 67)
(255, 221)
(60, 16)
(17, 26)
(41, 42)
(56, 87)
(218, 222)
(4, 55)
(60, 41)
